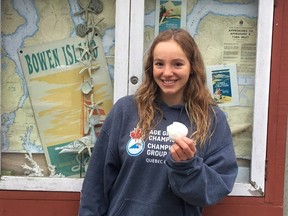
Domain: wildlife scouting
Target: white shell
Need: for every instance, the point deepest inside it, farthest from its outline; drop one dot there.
(177, 129)
(86, 87)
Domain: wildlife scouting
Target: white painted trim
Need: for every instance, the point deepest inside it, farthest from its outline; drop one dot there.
(261, 101)
(136, 43)
(75, 185)
(40, 183)
(244, 189)
(122, 31)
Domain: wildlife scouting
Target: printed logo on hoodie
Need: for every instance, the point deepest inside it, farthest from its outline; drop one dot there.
(135, 145)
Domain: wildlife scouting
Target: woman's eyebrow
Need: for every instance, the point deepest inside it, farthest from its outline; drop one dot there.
(157, 59)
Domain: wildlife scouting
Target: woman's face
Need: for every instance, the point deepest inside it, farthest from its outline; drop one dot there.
(171, 71)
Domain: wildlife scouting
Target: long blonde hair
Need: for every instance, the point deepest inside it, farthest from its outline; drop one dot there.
(196, 96)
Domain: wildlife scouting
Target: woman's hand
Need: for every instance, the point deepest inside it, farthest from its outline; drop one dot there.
(183, 149)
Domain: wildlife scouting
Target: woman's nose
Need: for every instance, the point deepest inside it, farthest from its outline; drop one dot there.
(168, 71)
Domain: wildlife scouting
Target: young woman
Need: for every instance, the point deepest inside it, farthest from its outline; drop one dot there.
(135, 168)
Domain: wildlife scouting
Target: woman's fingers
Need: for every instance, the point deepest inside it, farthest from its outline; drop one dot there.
(183, 149)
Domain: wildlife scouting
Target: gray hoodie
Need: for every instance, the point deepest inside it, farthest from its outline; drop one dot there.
(128, 176)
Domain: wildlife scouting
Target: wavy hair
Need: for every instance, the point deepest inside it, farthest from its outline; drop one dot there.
(197, 98)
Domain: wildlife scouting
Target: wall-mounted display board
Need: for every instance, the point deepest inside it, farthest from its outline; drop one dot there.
(233, 36)
(235, 40)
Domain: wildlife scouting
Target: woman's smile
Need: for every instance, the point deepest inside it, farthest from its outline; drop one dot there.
(169, 82)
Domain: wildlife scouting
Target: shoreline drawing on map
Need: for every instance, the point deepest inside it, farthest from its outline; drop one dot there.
(16, 112)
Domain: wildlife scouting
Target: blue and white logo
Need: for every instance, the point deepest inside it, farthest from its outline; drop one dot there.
(135, 147)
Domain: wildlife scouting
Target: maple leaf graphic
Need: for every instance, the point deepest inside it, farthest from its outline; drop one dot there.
(136, 134)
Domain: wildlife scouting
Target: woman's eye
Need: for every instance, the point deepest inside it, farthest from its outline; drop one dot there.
(177, 65)
(158, 64)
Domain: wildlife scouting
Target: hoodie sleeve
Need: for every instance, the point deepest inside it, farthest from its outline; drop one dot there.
(208, 177)
(98, 181)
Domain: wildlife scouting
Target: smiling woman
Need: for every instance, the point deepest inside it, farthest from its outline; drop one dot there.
(134, 160)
